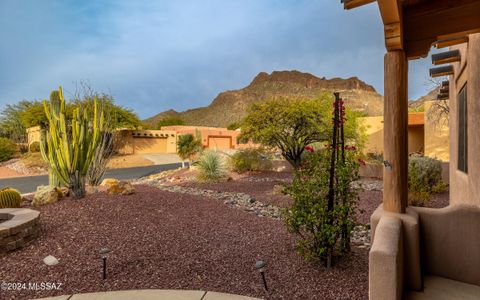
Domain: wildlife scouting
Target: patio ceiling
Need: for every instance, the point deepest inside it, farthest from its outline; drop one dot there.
(415, 25)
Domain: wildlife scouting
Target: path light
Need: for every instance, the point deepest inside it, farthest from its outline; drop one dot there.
(104, 254)
(260, 266)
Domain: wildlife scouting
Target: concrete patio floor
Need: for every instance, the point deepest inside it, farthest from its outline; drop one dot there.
(152, 295)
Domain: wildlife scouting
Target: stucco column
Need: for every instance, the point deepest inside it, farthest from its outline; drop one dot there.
(395, 180)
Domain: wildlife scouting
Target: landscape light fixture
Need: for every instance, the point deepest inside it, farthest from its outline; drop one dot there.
(260, 266)
(104, 254)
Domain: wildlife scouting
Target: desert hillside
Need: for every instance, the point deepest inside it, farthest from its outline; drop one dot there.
(230, 106)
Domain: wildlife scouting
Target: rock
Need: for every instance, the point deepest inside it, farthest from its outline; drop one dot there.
(46, 195)
(90, 190)
(65, 191)
(122, 187)
(109, 181)
(50, 261)
(278, 189)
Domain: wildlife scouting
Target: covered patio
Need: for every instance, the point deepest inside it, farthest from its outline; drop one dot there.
(421, 253)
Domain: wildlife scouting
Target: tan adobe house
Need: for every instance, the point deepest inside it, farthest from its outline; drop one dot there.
(374, 131)
(212, 137)
(424, 253)
(427, 134)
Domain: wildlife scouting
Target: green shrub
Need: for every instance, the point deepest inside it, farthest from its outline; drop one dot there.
(375, 158)
(321, 229)
(234, 126)
(34, 147)
(424, 178)
(7, 149)
(211, 166)
(251, 159)
(169, 122)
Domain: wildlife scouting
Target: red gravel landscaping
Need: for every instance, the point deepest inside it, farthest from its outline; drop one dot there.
(166, 240)
(259, 185)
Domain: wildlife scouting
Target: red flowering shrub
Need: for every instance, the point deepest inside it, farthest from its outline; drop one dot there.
(309, 149)
(318, 228)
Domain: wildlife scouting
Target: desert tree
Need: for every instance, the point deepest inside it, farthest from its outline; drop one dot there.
(288, 124)
(188, 146)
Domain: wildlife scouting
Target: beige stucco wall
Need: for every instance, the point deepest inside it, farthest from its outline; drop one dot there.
(465, 188)
(33, 134)
(374, 131)
(437, 134)
(416, 139)
(145, 141)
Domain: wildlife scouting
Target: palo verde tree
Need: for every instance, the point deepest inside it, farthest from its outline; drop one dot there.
(69, 145)
(288, 124)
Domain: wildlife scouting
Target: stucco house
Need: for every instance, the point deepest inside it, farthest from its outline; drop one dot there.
(212, 137)
(374, 131)
(424, 253)
(133, 141)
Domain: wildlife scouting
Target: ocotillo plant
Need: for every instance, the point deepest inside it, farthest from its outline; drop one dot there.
(69, 145)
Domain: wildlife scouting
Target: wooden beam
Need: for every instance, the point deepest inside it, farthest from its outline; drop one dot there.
(442, 43)
(446, 57)
(445, 83)
(444, 90)
(393, 36)
(349, 4)
(391, 13)
(441, 71)
(430, 21)
(395, 137)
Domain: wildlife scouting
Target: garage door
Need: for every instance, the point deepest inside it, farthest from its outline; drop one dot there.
(150, 145)
(219, 142)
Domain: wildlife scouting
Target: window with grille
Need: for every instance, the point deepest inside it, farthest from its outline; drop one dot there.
(462, 130)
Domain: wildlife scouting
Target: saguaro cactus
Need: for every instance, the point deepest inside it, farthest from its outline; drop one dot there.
(69, 145)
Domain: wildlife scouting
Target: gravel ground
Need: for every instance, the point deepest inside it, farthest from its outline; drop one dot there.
(173, 241)
(260, 186)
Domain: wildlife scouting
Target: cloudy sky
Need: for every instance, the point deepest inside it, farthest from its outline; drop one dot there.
(156, 55)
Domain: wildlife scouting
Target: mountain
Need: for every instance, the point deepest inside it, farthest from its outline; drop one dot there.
(230, 106)
(418, 104)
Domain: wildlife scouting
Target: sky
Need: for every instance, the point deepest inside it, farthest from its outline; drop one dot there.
(156, 55)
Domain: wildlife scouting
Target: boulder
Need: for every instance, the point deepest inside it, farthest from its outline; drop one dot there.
(46, 194)
(121, 187)
(65, 191)
(109, 181)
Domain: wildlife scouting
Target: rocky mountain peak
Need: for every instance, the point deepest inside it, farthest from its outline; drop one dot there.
(308, 80)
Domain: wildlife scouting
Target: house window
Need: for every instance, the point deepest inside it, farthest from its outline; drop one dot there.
(462, 130)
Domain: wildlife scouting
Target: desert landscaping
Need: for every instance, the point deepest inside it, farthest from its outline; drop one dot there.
(240, 150)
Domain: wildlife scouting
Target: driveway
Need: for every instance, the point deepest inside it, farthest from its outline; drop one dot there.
(29, 184)
(163, 158)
